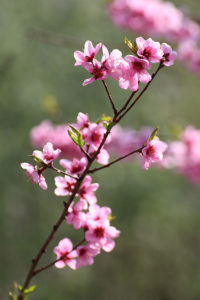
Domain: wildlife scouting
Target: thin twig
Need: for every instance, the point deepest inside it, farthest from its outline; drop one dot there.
(85, 153)
(116, 160)
(142, 92)
(126, 103)
(56, 260)
(110, 98)
(61, 172)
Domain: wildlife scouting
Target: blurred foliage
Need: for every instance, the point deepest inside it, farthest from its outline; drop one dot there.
(157, 254)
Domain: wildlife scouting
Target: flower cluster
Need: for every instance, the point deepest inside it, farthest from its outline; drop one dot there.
(44, 159)
(128, 71)
(152, 17)
(98, 234)
(189, 54)
(88, 142)
(161, 19)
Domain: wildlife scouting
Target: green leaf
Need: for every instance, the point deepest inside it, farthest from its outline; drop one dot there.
(20, 288)
(76, 137)
(153, 134)
(74, 129)
(73, 137)
(105, 125)
(132, 47)
(31, 289)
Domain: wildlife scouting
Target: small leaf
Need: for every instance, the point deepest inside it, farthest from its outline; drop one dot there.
(105, 125)
(74, 129)
(73, 137)
(20, 288)
(153, 134)
(132, 47)
(31, 289)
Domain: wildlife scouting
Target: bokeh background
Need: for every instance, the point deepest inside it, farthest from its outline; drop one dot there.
(157, 255)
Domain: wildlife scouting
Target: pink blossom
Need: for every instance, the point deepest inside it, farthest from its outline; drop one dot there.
(87, 189)
(155, 18)
(48, 154)
(169, 56)
(138, 66)
(75, 215)
(98, 71)
(74, 167)
(65, 249)
(34, 175)
(86, 255)
(82, 120)
(65, 185)
(98, 215)
(86, 57)
(95, 135)
(153, 152)
(148, 49)
(103, 157)
(102, 235)
(128, 82)
(114, 63)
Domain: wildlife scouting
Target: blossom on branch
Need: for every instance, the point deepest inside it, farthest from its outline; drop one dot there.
(48, 154)
(153, 152)
(34, 175)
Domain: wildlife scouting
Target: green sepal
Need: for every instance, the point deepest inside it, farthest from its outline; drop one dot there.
(131, 46)
(111, 218)
(153, 134)
(104, 117)
(38, 161)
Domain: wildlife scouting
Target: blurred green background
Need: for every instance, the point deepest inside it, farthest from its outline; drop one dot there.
(157, 254)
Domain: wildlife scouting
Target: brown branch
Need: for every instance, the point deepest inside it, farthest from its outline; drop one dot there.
(56, 260)
(141, 93)
(116, 160)
(61, 172)
(110, 98)
(42, 250)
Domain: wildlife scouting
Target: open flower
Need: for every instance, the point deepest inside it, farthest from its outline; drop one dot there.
(150, 50)
(65, 251)
(48, 154)
(86, 255)
(169, 56)
(153, 152)
(65, 185)
(86, 57)
(34, 175)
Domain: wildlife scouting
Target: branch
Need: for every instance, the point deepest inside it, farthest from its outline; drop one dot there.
(116, 160)
(61, 172)
(141, 93)
(56, 260)
(110, 98)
